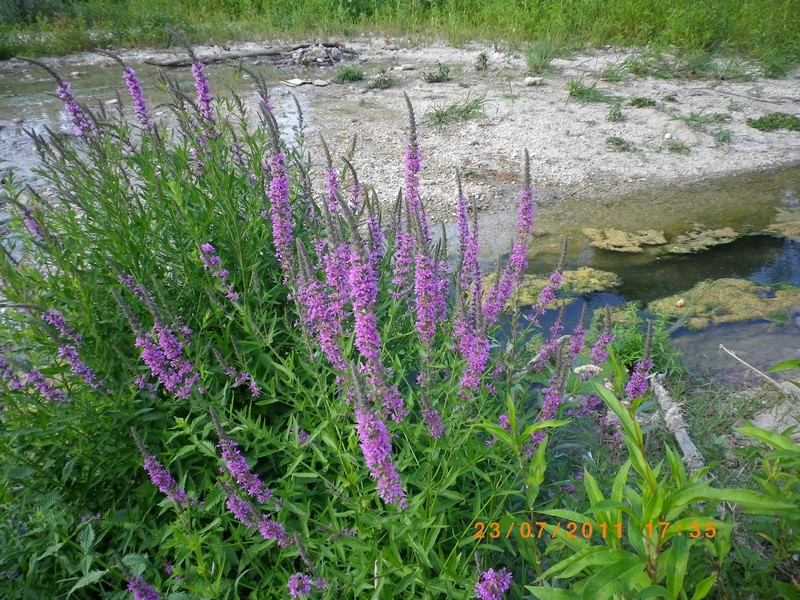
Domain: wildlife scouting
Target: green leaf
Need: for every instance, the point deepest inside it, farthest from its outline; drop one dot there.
(86, 537)
(588, 557)
(774, 440)
(653, 591)
(702, 589)
(548, 593)
(754, 502)
(622, 578)
(541, 425)
(785, 365)
(88, 579)
(677, 564)
(137, 563)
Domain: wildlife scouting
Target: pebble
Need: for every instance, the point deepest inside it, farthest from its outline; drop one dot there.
(336, 54)
(533, 81)
(111, 102)
(667, 136)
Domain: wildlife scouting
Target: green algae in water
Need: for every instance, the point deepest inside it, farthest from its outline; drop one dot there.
(728, 301)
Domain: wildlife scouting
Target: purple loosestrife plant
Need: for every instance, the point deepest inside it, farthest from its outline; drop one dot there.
(492, 585)
(280, 213)
(35, 230)
(141, 589)
(204, 98)
(84, 126)
(299, 585)
(500, 293)
(8, 376)
(213, 263)
(159, 475)
(375, 444)
(140, 104)
(45, 388)
(162, 352)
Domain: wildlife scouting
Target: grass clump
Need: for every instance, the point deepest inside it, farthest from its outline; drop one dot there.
(775, 121)
(615, 114)
(482, 62)
(462, 110)
(588, 93)
(676, 146)
(439, 74)
(641, 102)
(618, 144)
(347, 74)
(540, 54)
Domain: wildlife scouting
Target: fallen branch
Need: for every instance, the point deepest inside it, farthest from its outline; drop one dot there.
(673, 417)
(185, 61)
(785, 388)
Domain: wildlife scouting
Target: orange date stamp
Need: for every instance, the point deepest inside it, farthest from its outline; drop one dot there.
(574, 530)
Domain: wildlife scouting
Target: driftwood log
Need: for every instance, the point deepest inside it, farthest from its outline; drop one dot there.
(279, 51)
(673, 417)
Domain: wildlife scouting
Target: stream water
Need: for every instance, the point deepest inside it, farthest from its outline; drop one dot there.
(748, 202)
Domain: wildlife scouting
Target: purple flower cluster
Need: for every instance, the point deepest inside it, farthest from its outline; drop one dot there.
(332, 185)
(163, 480)
(8, 376)
(213, 263)
(376, 241)
(403, 260)
(70, 354)
(141, 589)
(280, 213)
(135, 88)
(413, 201)
(32, 224)
(84, 126)
(162, 351)
(374, 440)
(57, 320)
(430, 296)
(299, 585)
(500, 293)
(320, 319)
(432, 419)
(45, 388)
(237, 468)
(204, 98)
(599, 352)
(493, 584)
(639, 383)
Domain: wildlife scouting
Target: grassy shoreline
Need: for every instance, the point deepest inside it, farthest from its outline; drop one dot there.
(763, 29)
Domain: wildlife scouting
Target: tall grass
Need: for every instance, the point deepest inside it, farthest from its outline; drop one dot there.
(761, 28)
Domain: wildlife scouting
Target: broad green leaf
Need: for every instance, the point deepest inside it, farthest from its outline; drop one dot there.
(785, 365)
(702, 589)
(88, 579)
(621, 578)
(548, 593)
(775, 440)
(676, 566)
(754, 502)
(653, 591)
(137, 563)
(86, 537)
(541, 425)
(592, 489)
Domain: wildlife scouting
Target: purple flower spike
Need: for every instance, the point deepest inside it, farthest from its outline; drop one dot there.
(139, 103)
(141, 589)
(84, 126)
(638, 383)
(374, 440)
(299, 585)
(46, 389)
(492, 585)
(236, 466)
(162, 351)
(164, 481)
(204, 98)
(281, 214)
(213, 263)
(8, 376)
(36, 231)
(430, 294)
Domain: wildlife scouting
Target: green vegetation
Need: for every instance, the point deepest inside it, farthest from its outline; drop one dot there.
(539, 55)
(615, 114)
(382, 81)
(775, 121)
(764, 29)
(463, 110)
(588, 93)
(617, 144)
(346, 74)
(641, 102)
(438, 75)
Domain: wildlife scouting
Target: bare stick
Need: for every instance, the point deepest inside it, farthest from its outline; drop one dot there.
(673, 417)
(782, 387)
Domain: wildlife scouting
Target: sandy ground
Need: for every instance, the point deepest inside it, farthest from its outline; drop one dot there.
(571, 157)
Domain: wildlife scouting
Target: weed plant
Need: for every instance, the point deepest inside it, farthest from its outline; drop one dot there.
(347, 74)
(775, 121)
(382, 81)
(587, 93)
(438, 75)
(221, 381)
(462, 110)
